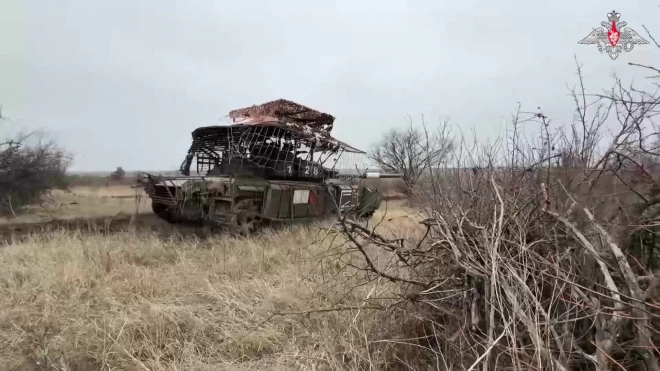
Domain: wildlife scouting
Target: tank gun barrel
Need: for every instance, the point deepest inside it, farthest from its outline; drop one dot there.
(381, 176)
(371, 176)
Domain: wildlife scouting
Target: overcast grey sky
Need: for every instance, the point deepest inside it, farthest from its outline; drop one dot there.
(124, 82)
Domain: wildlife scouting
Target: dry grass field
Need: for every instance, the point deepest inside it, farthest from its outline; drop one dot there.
(85, 202)
(144, 297)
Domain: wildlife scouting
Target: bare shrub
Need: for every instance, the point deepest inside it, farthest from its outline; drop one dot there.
(28, 170)
(537, 253)
(411, 152)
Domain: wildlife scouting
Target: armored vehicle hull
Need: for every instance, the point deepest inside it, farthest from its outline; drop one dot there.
(244, 205)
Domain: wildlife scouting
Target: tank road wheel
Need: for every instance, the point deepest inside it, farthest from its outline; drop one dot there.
(247, 221)
(162, 211)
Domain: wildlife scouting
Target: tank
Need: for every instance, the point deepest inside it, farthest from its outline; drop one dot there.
(270, 166)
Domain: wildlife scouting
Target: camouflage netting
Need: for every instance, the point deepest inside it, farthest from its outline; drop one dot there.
(287, 112)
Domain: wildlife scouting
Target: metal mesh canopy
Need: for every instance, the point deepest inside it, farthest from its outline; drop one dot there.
(284, 111)
(275, 148)
(321, 141)
(275, 139)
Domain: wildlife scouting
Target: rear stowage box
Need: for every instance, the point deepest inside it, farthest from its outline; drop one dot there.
(278, 202)
(300, 202)
(317, 201)
(273, 200)
(285, 202)
(308, 201)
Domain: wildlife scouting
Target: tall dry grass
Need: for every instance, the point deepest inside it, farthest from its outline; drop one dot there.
(133, 300)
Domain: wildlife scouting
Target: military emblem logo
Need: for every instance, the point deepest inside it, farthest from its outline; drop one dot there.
(613, 36)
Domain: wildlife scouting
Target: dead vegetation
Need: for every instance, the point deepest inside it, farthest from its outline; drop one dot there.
(537, 254)
(412, 152)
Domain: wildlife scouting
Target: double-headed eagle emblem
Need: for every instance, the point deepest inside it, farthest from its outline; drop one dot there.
(613, 36)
